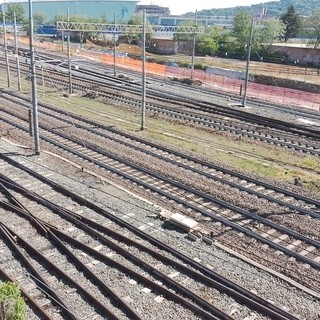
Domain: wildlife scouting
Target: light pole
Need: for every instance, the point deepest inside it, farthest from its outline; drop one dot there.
(33, 84)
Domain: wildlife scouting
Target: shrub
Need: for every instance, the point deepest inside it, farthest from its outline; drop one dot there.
(199, 66)
(12, 304)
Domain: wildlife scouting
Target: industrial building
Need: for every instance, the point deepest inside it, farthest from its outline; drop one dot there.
(153, 10)
(122, 9)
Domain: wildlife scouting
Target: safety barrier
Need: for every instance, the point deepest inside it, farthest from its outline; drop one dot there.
(280, 95)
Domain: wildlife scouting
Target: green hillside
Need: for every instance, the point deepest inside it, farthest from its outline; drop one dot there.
(274, 8)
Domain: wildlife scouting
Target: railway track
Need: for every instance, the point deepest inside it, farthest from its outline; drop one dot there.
(94, 71)
(242, 221)
(91, 242)
(277, 132)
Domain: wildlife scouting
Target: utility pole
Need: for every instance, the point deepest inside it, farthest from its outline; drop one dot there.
(248, 62)
(5, 46)
(114, 45)
(194, 45)
(69, 55)
(16, 50)
(33, 84)
(143, 101)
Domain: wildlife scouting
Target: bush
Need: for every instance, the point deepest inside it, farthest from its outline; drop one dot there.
(199, 66)
(184, 64)
(12, 304)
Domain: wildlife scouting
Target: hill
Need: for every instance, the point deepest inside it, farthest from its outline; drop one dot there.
(273, 8)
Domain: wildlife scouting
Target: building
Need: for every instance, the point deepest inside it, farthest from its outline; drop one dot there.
(153, 10)
(222, 21)
(122, 9)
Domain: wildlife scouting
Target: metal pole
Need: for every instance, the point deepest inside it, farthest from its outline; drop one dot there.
(143, 102)
(5, 46)
(62, 40)
(193, 46)
(33, 84)
(114, 46)
(247, 68)
(16, 49)
(42, 77)
(69, 55)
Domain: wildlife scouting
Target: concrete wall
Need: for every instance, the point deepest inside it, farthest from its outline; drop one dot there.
(228, 73)
(299, 54)
(166, 46)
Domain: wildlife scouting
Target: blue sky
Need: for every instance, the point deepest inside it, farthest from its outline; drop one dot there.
(180, 6)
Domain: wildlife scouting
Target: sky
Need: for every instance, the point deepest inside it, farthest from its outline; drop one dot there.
(182, 6)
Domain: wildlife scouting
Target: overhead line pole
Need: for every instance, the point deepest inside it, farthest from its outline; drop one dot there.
(194, 45)
(33, 84)
(143, 101)
(114, 46)
(69, 56)
(5, 46)
(16, 49)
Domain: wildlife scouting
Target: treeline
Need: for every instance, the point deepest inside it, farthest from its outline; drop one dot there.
(272, 9)
(234, 42)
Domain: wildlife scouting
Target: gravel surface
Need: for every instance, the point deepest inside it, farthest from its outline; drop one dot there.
(142, 213)
(219, 190)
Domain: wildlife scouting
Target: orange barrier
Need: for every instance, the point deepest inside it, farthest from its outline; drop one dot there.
(225, 84)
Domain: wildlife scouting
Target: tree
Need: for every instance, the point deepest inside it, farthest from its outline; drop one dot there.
(208, 43)
(185, 36)
(292, 23)
(16, 8)
(39, 18)
(241, 27)
(133, 38)
(270, 30)
(312, 29)
(207, 46)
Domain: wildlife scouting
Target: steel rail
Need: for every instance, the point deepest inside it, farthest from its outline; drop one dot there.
(259, 103)
(201, 194)
(208, 121)
(89, 274)
(181, 155)
(100, 307)
(200, 172)
(45, 286)
(247, 298)
(243, 295)
(82, 201)
(214, 313)
(41, 311)
(196, 208)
